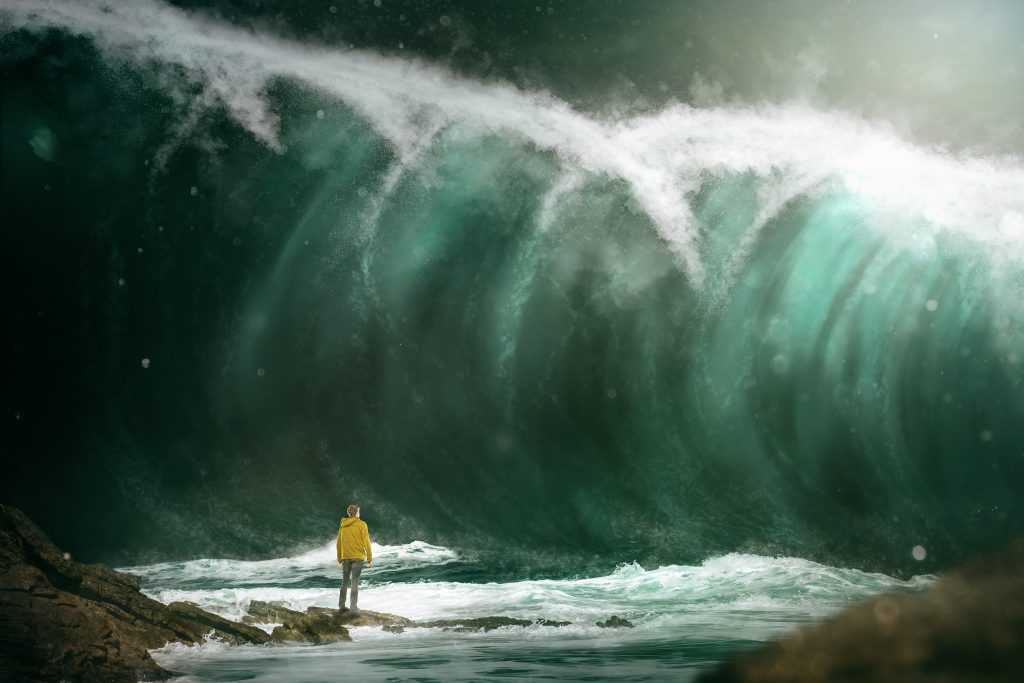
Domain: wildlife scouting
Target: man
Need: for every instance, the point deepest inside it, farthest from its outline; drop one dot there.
(353, 549)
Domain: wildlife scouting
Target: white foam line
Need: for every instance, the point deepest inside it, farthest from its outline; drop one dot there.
(725, 583)
(661, 156)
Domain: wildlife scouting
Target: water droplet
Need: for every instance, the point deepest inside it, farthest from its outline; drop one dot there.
(919, 553)
(193, 191)
(986, 435)
(145, 362)
(320, 113)
(612, 393)
(446, 20)
(780, 364)
(932, 305)
(261, 372)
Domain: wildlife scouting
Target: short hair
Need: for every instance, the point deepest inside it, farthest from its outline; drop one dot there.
(352, 509)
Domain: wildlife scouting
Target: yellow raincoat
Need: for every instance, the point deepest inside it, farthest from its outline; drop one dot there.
(354, 540)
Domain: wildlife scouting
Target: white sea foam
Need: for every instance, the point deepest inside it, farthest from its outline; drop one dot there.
(726, 599)
(732, 583)
(662, 156)
(319, 562)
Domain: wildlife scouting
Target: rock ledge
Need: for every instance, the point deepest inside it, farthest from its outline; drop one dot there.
(64, 620)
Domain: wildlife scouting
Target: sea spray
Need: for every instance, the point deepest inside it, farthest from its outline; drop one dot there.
(500, 322)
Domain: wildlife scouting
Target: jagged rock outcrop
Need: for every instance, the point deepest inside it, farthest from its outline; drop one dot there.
(969, 628)
(64, 620)
(316, 625)
(615, 622)
(323, 625)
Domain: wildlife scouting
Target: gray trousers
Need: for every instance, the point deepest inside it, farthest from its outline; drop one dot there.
(350, 571)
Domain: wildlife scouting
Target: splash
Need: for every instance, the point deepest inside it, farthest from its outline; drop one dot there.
(662, 157)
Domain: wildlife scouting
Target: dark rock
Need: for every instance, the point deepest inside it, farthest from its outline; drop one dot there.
(317, 624)
(476, 624)
(365, 617)
(615, 622)
(315, 628)
(193, 623)
(259, 612)
(969, 628)
(61, 619)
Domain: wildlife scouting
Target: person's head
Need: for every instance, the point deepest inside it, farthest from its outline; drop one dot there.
(353, 510)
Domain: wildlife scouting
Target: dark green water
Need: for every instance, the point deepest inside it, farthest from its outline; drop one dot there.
(486, 271)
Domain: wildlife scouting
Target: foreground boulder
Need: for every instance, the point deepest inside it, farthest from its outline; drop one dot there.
(969, 628)
(64, 620)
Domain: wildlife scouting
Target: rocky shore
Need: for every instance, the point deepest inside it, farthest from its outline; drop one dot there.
(319, 625)
(61, 620)
(65, 620)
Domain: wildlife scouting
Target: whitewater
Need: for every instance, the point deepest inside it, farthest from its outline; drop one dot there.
(683, 617)
(663, 157)
(687, 366)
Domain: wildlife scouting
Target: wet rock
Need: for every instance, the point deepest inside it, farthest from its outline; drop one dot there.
(315, 628)
(364, 618)
(259, 612)
(615, 622)
(477, 624)
(482, 623)
(968, 628)
(317, 624)
(322, 624)
(64, 620)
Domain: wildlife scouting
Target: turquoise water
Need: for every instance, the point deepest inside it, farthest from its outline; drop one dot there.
(502, 322)
(685, 618)
(704, 314)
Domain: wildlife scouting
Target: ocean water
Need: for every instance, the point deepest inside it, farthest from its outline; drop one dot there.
(706, 314)
(685, 618)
